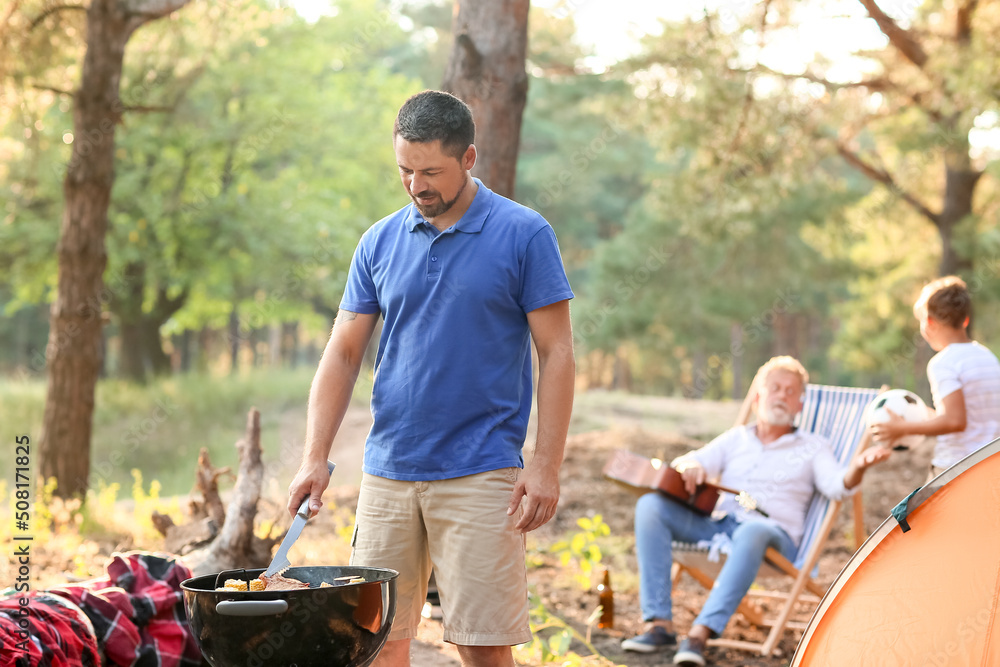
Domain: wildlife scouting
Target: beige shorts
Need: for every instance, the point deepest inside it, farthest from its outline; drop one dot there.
(460, 528)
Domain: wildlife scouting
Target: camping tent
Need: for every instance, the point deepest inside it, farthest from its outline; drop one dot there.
(924, 589)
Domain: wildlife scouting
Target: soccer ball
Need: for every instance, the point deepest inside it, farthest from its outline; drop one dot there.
(904, 403)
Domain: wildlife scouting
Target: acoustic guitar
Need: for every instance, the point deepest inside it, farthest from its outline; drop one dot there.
(639, 473)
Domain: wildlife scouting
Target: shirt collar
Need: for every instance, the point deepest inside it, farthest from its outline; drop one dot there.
(473, 219)
(792, 436)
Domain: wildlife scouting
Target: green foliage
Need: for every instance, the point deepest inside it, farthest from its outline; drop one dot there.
(255, 190)
(753, 236)
(266, 157)
(580, 164)
(552, 638)
(162, 426)
(582, 548)
(705, 215)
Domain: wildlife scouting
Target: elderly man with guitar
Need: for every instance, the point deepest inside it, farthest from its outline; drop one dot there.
(779, 467)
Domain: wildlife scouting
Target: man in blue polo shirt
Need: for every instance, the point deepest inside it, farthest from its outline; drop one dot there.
(463, 279)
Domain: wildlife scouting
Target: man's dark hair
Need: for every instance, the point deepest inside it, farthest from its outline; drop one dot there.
(434, 115)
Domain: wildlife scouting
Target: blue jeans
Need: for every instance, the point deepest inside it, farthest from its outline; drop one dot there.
(660, 521)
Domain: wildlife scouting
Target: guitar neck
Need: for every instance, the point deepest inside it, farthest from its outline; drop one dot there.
(724, 489)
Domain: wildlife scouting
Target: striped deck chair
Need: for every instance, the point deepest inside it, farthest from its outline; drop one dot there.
(837, 413)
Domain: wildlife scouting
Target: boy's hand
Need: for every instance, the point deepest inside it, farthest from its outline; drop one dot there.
(889, 431)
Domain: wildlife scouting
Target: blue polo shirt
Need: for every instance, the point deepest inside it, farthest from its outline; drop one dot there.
(452, 389)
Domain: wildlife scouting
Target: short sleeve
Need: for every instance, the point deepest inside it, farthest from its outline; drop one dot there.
(360, 293)
(543, 277)
(943, 377)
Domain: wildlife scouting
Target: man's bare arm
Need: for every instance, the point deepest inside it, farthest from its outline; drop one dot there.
(539, 485)
(329, 398)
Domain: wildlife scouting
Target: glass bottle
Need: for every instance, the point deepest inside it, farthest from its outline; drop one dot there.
(606, 597)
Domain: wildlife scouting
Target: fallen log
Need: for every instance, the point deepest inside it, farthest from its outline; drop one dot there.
(231, 542)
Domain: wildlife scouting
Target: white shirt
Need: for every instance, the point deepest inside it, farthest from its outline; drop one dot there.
(782, 476)
(976, 371)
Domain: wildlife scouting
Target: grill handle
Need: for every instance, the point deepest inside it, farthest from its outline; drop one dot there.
(251, 607)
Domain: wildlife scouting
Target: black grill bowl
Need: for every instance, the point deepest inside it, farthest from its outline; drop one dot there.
(339, 626)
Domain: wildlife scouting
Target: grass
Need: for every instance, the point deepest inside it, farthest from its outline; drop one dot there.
(599, 410)
(159, 428)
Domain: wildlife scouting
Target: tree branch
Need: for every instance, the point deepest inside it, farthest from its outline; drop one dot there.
(748, 98)
(904, 42)
(884, 177)
(49, 11)
(52, 89)
(150, 10)
(5, 26)
(146, 109)
(963, 21)
(166, 306)
(877, 84)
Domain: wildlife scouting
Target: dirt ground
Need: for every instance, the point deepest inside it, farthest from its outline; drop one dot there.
(584, 492)
(654, 427)
(662, 428)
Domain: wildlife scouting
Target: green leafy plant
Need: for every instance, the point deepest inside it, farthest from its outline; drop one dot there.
(552, 638)
(582, 548)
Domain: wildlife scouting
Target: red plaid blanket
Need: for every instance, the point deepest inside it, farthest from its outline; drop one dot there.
(134, 618)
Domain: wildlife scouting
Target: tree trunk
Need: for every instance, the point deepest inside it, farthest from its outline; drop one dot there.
(132, 366)
(152, 345)
(183, 345)
(621, 375)
(142, 347)
(960, 186)
(205, 337)
(233, 332)
(74, 347)
(486, 70)
(163, 309)
(736, 350)
(700, 380)
(290, 344)
(254, 341)
(786, 335)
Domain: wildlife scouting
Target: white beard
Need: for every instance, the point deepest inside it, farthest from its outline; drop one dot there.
(778, 415)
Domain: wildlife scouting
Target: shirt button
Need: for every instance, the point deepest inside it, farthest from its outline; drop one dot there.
(434, 259)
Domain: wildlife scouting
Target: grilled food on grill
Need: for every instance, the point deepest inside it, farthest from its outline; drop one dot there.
(279, 582)
(240, 585)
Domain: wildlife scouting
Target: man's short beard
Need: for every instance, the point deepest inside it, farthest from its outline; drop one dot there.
(431, 212)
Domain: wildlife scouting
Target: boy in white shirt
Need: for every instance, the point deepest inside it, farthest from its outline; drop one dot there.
(964, 378)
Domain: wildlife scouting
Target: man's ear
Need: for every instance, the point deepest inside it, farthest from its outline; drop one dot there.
(469, 158)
